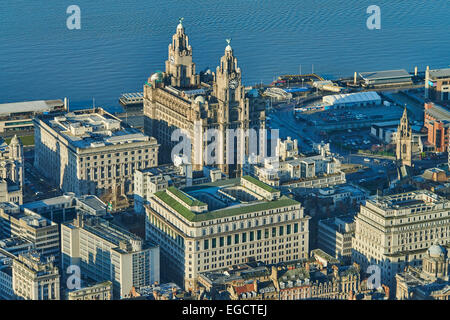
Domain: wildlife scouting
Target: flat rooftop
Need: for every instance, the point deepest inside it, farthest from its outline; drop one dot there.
(386, 74)
(414, 199)
(440, 73)
(7, 109)
(438, 112)
(93, 128)
(218, 200)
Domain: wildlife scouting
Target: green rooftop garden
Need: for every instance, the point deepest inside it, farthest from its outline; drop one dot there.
(260, 184)
(186, 199)
(198, 217)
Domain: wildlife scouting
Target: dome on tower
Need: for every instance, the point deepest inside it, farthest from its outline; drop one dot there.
(436, 251)
(157, 76)
(200, 99)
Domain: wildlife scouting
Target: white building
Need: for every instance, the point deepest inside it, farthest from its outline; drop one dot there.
(360, 99)
(289, 169)
(104, 251)
(91, 152)
(11, 171)
(35, 277)
(66, 207)
(225, 223)
(335, 237)
(42, 232)
(395, 231)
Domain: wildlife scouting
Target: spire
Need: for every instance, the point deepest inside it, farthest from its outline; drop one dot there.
(14, 140)
(228, 47)
(180, 24)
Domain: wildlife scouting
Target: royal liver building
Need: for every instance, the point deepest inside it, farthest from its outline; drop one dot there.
(210, 108)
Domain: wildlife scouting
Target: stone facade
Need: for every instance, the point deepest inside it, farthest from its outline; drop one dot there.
(233, 223)
(91, 152)
(177, 99)
(35, 278)
(11, 171)
(395, 231)
(404, 141)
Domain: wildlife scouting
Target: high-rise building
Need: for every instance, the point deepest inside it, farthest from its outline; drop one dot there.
(335, 236)
(178, 99)
(395, 231)
(11, 171)
(91, 152)
(35, 277)
(104, 251)
(217, 225)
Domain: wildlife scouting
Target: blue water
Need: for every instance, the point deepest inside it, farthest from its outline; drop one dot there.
(122, 42)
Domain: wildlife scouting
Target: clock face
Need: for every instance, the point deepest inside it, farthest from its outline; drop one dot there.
(172, 59)
(233, 83)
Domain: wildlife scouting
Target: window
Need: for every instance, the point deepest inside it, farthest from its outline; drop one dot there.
(206, 245)
(236, 238)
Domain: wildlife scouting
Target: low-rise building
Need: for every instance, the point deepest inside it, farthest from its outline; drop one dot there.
(35, 277)
(437, 85)
(288, 169)
(66, 207)
(430, 282)
(22, 222)
(437, 123)
(310, 278)
(99, 291)
(18, 116)
(345, 100)
(386, 78)
(212, 226)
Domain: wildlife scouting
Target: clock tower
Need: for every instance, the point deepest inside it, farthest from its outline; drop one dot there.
(232, 112)
(179, 66)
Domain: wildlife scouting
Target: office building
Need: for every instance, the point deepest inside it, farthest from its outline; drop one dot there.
(179, 99)
(396, 230)
(289, 169)
(335, 237)
(66, 207)
(21, 222)
(437, 85)
(91, 152)
(220, 224)
(35, 277)
(104, 251)
(437, 123)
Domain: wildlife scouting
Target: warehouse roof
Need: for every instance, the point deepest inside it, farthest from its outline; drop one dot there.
(29, 106)
(440, 73)
(387, 74)
(351, 97)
